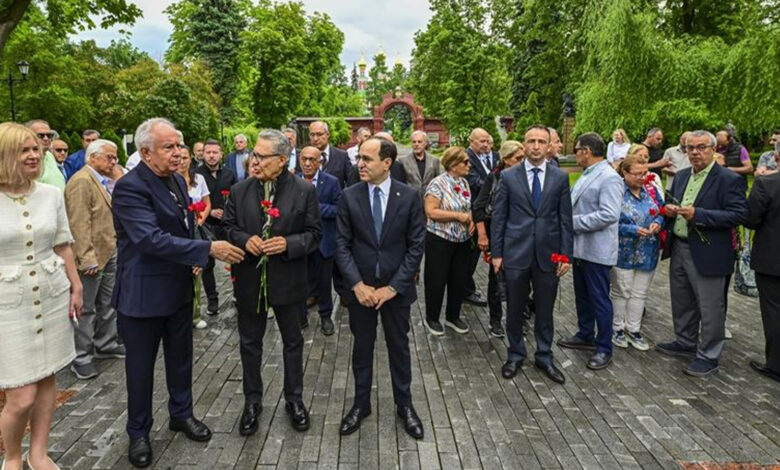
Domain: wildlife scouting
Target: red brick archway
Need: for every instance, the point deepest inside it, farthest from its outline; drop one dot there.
(407, 100)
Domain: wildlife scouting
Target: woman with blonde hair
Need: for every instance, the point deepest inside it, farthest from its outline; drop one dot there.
(40, 294)
(618, 147)
(641, 220)
(447, 249)
(652, 181)
(512, 153)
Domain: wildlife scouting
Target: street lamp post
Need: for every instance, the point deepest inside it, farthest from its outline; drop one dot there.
(24, 68)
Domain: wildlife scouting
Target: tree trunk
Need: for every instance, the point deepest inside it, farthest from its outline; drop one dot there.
(10, 15)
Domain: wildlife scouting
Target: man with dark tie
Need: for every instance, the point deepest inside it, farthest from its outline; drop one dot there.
(380, 244)
(321, 261)
(532, 220)
(482, 162)
(294, 234)
(156, 258)
(334, 160)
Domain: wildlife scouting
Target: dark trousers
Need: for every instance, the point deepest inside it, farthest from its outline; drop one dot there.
(474, 255)
(320, 279)
(446, 266)
(142, 338)
(545, 286)
(210, 285)
(494, 292)
(251, 329)
(769, 298)
(591, 289)
(395, 323)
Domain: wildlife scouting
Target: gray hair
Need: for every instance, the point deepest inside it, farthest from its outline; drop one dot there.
(364, 128)
(143, 134)
(90, 132)
(96, 147)
(279, 142)
(653, 131)
(289, 129)
(324, 124)
(552, 131)
(417, 132)
(701, 133)
(240, 136)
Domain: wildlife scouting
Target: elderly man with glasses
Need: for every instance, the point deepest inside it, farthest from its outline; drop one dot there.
(706, 202)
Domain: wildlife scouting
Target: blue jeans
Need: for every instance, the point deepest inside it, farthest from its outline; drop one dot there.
(594, 308)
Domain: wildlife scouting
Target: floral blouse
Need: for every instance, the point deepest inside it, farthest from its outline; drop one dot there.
(637, 252)
(454, 196)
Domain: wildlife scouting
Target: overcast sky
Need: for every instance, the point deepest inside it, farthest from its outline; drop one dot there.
(366, 25)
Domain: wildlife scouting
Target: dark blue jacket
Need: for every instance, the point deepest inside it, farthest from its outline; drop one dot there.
(328, 195)
(74, 163)
(399, 250)
(477, 174)
(155, 249)
(720, 206)
(231, 161)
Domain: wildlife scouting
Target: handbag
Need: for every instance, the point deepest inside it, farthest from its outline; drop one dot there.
(744, 277)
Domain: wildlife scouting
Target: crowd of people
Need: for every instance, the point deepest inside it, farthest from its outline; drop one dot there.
(103, 261)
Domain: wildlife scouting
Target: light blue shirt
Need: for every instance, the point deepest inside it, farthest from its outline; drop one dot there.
(291, 163)
(529, 170)
(384, 192)
(103, 180)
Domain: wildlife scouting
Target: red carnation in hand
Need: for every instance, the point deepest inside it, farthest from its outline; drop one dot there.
(456, 188)
(199, 206)
(662, 211)
(266, 203)
(227, 268)
(559, 258)
(232, 279)
(653, 211)
(466, 194)
(274, 213)
(225, 192)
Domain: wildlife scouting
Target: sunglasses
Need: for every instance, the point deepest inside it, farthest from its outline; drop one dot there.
(45, 135)
(59, 150)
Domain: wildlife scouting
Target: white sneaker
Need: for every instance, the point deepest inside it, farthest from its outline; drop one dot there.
(637, 341)
(201, 324)
(619, 339)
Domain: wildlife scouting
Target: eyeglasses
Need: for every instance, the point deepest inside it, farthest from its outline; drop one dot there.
(59, 150)
(700, 147)
(317, 134)
(45, 135)
(580, 149)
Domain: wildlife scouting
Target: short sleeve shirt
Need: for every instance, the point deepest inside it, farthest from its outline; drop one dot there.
(199, 190)
(454, 196)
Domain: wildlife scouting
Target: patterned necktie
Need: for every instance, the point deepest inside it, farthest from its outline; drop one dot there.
(376, 211)
(536, 190)
(324, 159)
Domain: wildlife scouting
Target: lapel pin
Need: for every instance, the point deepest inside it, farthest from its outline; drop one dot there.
(397, 194)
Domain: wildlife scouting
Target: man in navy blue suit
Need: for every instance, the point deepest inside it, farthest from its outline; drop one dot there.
(707, 202)
(334, 160)
(320, 262)
(380, 244)
(532, 219)
(157, 257)
(483, 160)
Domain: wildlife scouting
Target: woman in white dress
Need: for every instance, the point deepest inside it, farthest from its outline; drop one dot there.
(618, 148)
(40, 294)
(198, 191)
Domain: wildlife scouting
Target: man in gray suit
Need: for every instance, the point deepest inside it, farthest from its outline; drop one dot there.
(531, 221)
(420, 166)
(597, 198)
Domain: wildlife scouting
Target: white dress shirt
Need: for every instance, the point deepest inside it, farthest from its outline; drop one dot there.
(530, 173)
(384, 192)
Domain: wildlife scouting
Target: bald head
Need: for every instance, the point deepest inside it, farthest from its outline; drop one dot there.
(319, 134)
(385, 135)
(479, 140)
(310, 160)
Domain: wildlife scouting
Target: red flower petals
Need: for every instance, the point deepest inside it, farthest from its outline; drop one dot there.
(559, 258)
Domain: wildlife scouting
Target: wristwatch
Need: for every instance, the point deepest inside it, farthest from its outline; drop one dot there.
(391, 289)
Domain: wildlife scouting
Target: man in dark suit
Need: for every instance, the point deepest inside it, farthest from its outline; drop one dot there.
(334, 160)
(218, 179)
(157, 257)
(321, 261)
(235, 160)
(482, 162)
(294, 234)
(381, 236)
(531, 220)
(764, 218)
(707, 202)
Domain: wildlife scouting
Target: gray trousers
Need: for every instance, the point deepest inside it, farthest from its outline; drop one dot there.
(698, 305)
(97, 326)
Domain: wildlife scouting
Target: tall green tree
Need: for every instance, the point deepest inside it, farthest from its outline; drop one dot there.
(378, 80)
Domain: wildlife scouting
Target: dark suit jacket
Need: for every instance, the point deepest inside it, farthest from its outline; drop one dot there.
(764, 218)
(231, 161)
(720, 206)
(397, 172)
(155, 249)
(299, 224)
(518, 233)
(328, 195)
(224, 180)
(338, 165)
(477, 174)
(399, 250)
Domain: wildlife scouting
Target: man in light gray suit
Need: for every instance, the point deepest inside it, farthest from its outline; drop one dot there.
(597, 198)
(420, 166)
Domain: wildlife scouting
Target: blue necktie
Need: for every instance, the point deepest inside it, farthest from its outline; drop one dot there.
(536, 189)
(376, 211)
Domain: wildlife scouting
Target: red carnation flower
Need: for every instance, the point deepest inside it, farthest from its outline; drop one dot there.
(559, 258)
(232, 279)
(227, 268)
(456, 188)
(266, 203)
(274, 213)
(225, 192)
(466, 194)
(653, 211)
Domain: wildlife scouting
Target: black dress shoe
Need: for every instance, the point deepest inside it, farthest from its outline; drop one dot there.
(412, 423)
(192, 428)
(764, 370)
(299, 416)
(552, 372)
(575, 342)
(326, 325)
(248, 423)
(352, 419)
(475, 299)
(140, 452)
(599, 361)
(510, 369)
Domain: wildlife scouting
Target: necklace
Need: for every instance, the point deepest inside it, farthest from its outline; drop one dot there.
(22, 198)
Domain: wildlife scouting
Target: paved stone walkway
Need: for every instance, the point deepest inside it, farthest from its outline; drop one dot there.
(641, 412)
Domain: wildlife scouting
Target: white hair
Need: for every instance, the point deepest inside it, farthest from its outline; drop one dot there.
(143, 134)
(700, 133)
(279, 142)
(420, 133)
(324, 124)
(97, 146)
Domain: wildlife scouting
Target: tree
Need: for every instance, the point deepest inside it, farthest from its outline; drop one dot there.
(353, 78)
(69, 16)
(378, 83)
(210, 30)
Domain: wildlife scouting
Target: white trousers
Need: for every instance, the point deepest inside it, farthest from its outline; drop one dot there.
(628, 292)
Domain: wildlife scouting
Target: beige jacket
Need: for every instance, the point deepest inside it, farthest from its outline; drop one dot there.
(91, 222)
